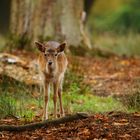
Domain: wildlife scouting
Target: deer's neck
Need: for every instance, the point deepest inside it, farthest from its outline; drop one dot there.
(51, 71)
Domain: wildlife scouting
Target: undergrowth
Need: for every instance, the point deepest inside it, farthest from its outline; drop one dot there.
(79, 97)
(22, 101)
(132, 99)
(121, 20)
(16, 99)
(127, 45)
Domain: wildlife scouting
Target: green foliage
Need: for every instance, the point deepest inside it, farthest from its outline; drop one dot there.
(124, 19)
(8, 106)
(91, 103)
(127, 45)
(79, 97)
(14, 105)
(73, 83)
(17, 99)
(116, 30)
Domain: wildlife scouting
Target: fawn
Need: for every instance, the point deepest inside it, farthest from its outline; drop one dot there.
(52, 64)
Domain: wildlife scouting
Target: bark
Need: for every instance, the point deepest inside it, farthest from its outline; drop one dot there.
(45, 123)
(14, 15)
(49, 20)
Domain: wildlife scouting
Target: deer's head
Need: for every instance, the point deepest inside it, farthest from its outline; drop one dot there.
(50, 51)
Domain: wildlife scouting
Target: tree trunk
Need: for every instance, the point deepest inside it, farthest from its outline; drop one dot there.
(48, 20)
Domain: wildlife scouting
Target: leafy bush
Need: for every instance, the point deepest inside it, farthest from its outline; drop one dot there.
(126, 18)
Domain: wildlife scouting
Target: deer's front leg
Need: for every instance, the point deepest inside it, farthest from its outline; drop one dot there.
(46, 99)
(55, 85)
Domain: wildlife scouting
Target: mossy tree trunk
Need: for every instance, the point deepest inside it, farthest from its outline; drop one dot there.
(48, 20)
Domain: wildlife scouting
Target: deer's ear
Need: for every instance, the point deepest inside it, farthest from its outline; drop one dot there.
(40, 46)
(61, 47)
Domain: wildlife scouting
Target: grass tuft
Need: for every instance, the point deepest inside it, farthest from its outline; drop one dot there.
(132, 100)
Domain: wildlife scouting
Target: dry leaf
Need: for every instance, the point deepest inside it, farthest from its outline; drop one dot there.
(120, 123)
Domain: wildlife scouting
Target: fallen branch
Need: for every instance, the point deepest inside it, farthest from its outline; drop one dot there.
(45, 123)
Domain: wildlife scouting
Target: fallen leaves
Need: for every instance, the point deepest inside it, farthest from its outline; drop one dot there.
(121, 122)
(109, 76)
(85, 132)
(125, 136)
(106, 76)
(137, 114)
(95, 127)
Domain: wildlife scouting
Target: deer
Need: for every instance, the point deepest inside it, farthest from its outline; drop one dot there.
(52, 65)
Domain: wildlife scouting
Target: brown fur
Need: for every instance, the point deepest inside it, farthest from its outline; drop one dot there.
(52, 52)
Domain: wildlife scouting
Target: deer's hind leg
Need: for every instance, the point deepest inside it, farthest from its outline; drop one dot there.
(46, 99)
(60, 98)
(60, 102)
(56, 87)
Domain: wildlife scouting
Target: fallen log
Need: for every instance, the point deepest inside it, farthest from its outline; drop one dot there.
(45, 123)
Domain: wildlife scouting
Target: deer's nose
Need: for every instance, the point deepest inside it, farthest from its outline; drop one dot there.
(50, 63)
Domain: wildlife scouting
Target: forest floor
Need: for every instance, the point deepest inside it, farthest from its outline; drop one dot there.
(111, 126)
(106, 76)
(109, 76)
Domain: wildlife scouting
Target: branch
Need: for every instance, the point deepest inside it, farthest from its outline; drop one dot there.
(45, 123)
